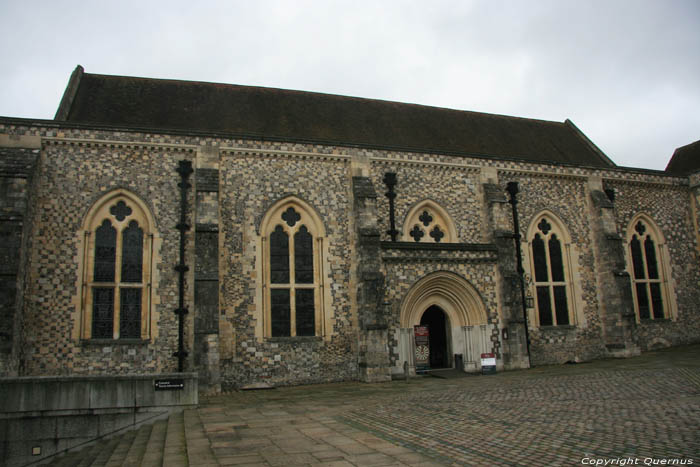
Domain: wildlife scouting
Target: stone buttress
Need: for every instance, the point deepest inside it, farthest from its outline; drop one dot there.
(18, 158)
(374, 364)
(500, 232)
(616, 305)
(206, 289)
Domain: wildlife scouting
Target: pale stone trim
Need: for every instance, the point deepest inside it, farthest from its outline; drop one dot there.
(468, 331)
(456, 296)
(411, 162)
(470, 341)
(82, 315)
(663, 259)
(572, 273)
(506, 173)
(309, 217)
(441, 218)
(118, 144)
(668, 182)
(235, 150)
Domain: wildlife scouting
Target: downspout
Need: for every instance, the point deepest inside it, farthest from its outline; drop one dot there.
(390, 182)
(184, 169)
(512, 189)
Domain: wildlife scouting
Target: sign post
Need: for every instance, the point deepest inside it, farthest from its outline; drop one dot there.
(422, 338)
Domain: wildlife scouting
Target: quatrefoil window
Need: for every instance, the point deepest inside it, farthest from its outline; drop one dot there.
(120, 211)
(544, 226)
(417, 233)
(437, 234)
(640, 228)
(290, 216)
(428, 222)
(426, 218)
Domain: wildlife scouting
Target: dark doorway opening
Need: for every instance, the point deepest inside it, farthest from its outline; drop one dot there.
(436, 321)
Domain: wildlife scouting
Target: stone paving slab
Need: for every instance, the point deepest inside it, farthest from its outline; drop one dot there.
(645, 409)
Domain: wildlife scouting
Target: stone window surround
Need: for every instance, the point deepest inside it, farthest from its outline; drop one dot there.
(570, 258)
(440, 218)
(312, 221)
(100, 211)
(664, 267)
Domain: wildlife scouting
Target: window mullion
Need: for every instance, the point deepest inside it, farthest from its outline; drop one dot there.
(320, 323)
(292, 283)
(117, 283)
(548, 260)
(550, 285)
(644, 258)
(646, 279)
(553, 305)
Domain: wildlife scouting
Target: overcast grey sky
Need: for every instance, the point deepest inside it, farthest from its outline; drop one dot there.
(626, 72)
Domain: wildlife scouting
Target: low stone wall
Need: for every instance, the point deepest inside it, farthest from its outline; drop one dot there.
(45, 415)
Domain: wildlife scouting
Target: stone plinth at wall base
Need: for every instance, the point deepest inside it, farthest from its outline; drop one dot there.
(256, 386)
(48, 415)
(623, 352)
(375, 375)
(374, 365)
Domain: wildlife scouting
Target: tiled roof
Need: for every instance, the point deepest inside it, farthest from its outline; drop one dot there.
(279, 114)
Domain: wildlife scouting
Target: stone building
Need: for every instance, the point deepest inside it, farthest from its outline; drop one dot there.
(265, 236)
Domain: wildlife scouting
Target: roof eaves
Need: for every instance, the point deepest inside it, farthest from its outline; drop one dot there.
(260, 137)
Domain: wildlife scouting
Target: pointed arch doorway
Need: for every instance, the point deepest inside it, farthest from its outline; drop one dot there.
(438, 324)
(455, 311)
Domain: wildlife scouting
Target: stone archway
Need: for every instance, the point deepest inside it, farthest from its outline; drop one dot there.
(468, 332)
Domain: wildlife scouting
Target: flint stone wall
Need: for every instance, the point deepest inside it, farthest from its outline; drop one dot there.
(78, 165)
(668, 205)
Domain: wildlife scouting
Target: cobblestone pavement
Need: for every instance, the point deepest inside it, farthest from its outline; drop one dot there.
(644, 410)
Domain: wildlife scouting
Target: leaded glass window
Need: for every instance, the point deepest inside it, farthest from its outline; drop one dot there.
(117, 272)
(105, 252)
(102, 312)
(292, 258)
(551, 287)
(646, 277)
(303, 257)
(130, 316)
(279, 256)
(280, 312)
(132, 253)
(305, 312)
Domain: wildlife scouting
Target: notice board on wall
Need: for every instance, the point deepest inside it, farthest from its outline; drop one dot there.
(422, 338)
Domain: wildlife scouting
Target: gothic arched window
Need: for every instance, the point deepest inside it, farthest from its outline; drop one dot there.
(549, 265)
(118, 245)
(648, 281)
(292, 237)
(428, 222)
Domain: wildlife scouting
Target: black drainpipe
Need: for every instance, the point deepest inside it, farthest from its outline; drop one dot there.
(513, 190)
(184, 169)
(390, 182)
